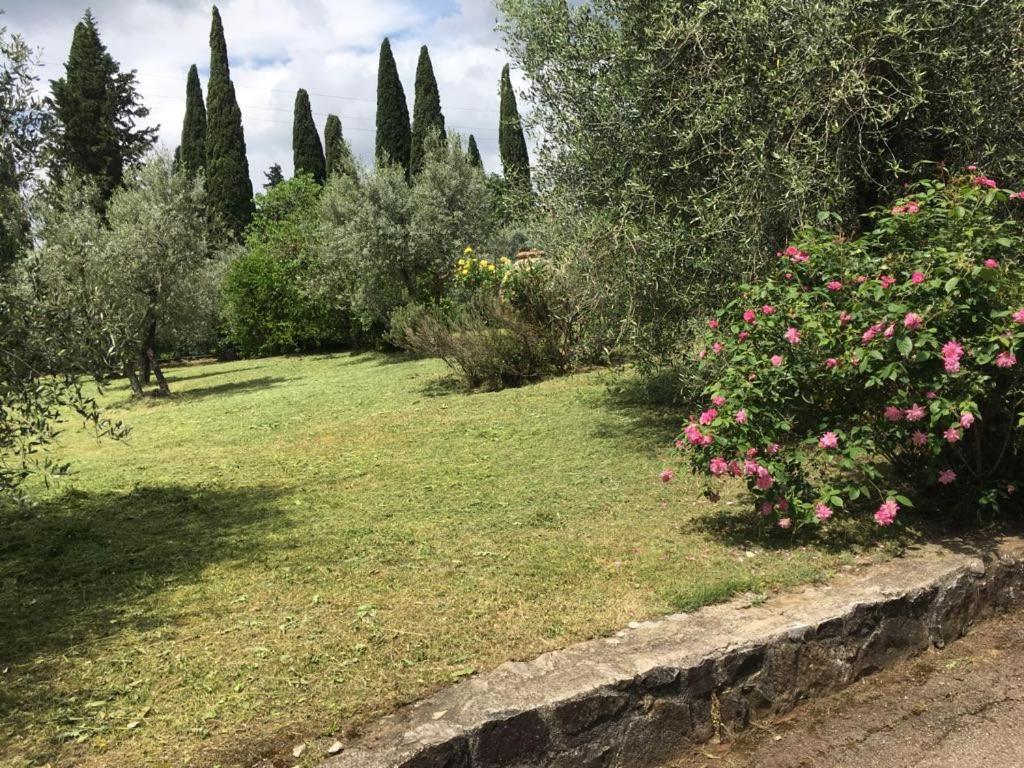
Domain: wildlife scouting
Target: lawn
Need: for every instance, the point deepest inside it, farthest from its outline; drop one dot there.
(289, 547)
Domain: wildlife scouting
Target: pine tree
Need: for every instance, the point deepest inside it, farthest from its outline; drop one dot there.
(426, 112)
(307, 151)
(339, 156)
(274, 176)
(193, 130)
(97, 107)
(474, 154)
(393, 132)
(228, 186)
(515, 159)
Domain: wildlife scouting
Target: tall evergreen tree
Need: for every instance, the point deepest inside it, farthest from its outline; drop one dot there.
(339, 156)
(474, 153)
(228, 186)
(426, 111)
(393, 131)
(96, 106)
(193, 130)
(515, 159)
(307, 151)
(274, 176)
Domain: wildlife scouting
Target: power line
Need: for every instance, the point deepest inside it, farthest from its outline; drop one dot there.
(178, 100)
(326, 95)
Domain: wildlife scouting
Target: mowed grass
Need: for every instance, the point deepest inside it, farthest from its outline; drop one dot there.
(288, 547)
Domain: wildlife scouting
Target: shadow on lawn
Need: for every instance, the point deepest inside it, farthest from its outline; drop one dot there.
(172, 377)
(229, 388)
(650, 424)
(77, 568)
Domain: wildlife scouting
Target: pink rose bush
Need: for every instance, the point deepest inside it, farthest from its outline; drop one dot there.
(893, 390)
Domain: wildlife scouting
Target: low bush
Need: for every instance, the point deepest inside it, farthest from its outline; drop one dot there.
(864, 375)
(505, 325)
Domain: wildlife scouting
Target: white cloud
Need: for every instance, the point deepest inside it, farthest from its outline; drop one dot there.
(277, 46)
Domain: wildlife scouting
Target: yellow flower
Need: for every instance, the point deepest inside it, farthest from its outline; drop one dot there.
(469, 249)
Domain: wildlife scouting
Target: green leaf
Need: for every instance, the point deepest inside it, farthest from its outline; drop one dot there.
(905, 345)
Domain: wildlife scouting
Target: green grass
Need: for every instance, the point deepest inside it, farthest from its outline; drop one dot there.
(289, 547)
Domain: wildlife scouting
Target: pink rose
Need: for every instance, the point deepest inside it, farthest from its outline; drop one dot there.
(834, 285)
(952, 435)
(741, 416)
(886, 514)
(1006, 360)
(919, 438)
(1018, 316)
(768, 309)
(712, 324)
(750, 316)
(666, 475)
(912, 321)
(831, 362)
(717, 400)
(828, 441)
(967, 420)
(991, 263)
(822, 511)
(776, 360)
(785, 522)
(708, 416)
(915, 412)
(893, 413)
(887, 281)
(947, 476)
(917, 278)
(983, 181)
(718, 466)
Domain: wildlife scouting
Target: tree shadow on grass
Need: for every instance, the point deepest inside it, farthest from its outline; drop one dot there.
(643, 422)
(172, 377)
(77, 568)
(229, 388)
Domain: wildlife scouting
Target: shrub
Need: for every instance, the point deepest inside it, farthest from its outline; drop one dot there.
(385, 244)
(682, 142)
(486, 342)
(268, 307)
(865, 373)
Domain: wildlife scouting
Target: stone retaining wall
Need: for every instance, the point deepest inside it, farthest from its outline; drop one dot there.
(638, 698)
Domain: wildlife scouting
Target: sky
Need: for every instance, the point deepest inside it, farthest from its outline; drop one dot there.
(328, 47)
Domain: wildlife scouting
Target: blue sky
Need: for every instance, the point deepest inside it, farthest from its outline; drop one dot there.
(328, 47)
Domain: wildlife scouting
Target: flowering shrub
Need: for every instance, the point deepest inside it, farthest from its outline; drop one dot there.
(864, 374)
(474, 274)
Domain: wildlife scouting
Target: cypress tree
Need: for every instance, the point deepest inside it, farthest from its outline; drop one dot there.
(426, 111)
(97, 107)
(307, 151)
(274, 176)
(393, 131)
(193, 130)
(515, 160)
(228, 186)
(339, 156)
(474, 154)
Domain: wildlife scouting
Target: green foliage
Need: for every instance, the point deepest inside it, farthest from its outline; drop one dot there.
(96, 108)
(23, 118)
(267, 307)
(515, 159)
(427, 120)
(227, 169)
(863, 373)
(274, 176)
(684, 138)
(307, 151)
(145, 279)
(474, 154)
(393, 132)
(193, 130)
(386, 244)
(337, 150)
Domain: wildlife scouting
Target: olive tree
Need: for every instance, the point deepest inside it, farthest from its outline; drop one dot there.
(144, 275)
